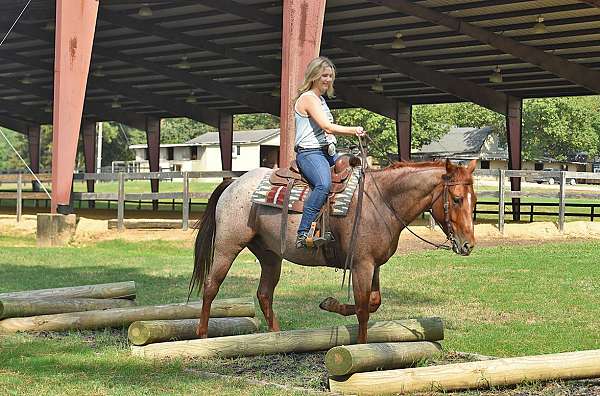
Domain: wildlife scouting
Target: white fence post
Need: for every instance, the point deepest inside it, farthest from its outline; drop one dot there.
(19, 197)
(121, 202)
(185, 201)
(501, 178)
(561, 201)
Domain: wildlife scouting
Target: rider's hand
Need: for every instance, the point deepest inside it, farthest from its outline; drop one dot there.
(360, 131)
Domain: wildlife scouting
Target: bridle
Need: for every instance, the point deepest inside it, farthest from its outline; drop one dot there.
(446, 194)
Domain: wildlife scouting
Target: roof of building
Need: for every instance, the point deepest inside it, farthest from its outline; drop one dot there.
(239, 137)
(212, 138)
(458, 141)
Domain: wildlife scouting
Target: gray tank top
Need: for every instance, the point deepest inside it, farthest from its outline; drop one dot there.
(308, 133)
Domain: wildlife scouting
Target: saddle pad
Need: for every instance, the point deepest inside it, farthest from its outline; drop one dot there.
(270, 195)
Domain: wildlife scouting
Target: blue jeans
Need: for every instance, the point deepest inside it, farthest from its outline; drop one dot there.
(315, 167)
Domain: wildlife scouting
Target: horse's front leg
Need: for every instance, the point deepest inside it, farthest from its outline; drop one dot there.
(362, 279)
(331, 304)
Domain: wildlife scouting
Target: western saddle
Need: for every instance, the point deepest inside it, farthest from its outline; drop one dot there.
(340, 175)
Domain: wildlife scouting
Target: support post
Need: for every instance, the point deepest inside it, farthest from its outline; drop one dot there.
(185, 202)
(501, 178)
(75, 26)
(19, 197)
(301, 40)
(561, 201)
(121, 202)
(514, 117)
(33, 137)
(88, 130)
(226, 140)
(403, 130)
(153, 140)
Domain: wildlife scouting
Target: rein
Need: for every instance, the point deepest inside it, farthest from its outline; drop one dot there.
(447, 184)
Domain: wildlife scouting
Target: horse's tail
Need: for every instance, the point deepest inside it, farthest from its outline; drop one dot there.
(205, 240)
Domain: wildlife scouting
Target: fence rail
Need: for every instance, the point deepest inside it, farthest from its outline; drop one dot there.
(185, 196)
(121, 196)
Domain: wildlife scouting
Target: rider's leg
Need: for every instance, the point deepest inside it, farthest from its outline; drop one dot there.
(314, 165)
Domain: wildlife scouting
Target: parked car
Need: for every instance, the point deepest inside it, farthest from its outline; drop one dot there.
(551, 179)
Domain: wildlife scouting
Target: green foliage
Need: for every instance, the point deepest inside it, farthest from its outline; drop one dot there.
(246, 122)
(558, 127)
(116, 139)
(180, 130)
(8, 159)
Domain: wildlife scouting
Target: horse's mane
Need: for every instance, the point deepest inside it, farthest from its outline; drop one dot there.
(412, 164)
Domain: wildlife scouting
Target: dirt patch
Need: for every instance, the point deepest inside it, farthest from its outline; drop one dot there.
(91, 230)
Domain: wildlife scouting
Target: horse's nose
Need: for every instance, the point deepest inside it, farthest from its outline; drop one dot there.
(466, 248)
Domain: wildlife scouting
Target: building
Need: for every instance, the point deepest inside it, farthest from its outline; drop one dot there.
(251, 149)
(490, 151)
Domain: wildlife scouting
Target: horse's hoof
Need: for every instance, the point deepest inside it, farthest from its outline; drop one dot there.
(328, 303)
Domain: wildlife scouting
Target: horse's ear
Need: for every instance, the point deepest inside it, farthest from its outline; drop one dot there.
(449, 166)
(472, 165)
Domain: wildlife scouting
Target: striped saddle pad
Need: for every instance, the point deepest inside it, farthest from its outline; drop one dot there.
(270, 195)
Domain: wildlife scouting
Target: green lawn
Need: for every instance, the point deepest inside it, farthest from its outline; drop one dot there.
(502, 301)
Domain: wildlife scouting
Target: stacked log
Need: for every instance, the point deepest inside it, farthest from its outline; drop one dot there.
(105, 290)
(348, 359)
(472, 375)
(17, 308)
(119, 317)
(149, 332)
(309, 340)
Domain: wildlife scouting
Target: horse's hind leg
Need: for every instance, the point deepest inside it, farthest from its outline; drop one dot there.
(223, 259)
(331, 304)
(270, 264)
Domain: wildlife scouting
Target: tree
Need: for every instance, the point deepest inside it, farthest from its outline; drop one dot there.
(245, 122)
(181, 130)
(560, 127)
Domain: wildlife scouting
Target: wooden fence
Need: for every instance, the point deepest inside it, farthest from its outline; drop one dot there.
(185, 196)
(502, 195)
(562, 176)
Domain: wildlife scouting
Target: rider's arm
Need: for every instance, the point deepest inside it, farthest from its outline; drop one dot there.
(312, 106)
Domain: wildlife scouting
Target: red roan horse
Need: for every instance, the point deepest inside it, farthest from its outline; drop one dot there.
(395, 195)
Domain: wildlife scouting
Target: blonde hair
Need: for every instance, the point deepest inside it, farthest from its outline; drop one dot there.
(313, 73)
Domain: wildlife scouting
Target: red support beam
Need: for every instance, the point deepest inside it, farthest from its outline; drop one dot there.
(301, 40)
(153, 140)
(75, 26)
(88, 130)
(404, 130)
(514, 120)
(226, 140)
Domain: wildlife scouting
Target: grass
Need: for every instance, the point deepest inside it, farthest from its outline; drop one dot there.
(501, 301)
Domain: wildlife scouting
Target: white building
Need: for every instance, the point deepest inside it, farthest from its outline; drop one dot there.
(251, 149)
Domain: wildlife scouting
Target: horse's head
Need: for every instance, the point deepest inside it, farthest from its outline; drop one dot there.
(453, 206)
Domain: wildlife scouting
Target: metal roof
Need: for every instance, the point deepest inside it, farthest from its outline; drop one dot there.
(226, 56)
(239, 137)
(458, 140)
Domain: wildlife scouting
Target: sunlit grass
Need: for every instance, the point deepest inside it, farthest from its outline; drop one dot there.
(501, 301)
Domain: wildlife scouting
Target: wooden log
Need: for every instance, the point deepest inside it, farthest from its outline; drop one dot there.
(17, 308)
(348, 359)
(119, 317)
(483, 374)
(308, 340)
(152, 331)
(104, 290)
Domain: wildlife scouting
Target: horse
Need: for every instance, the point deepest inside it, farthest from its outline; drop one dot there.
(393, 198)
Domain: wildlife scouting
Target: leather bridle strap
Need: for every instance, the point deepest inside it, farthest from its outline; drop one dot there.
(446, 194)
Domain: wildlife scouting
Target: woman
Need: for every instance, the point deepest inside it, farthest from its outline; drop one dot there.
(315, 140)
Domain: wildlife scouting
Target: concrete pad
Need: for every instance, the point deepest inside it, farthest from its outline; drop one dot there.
(55, 229)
